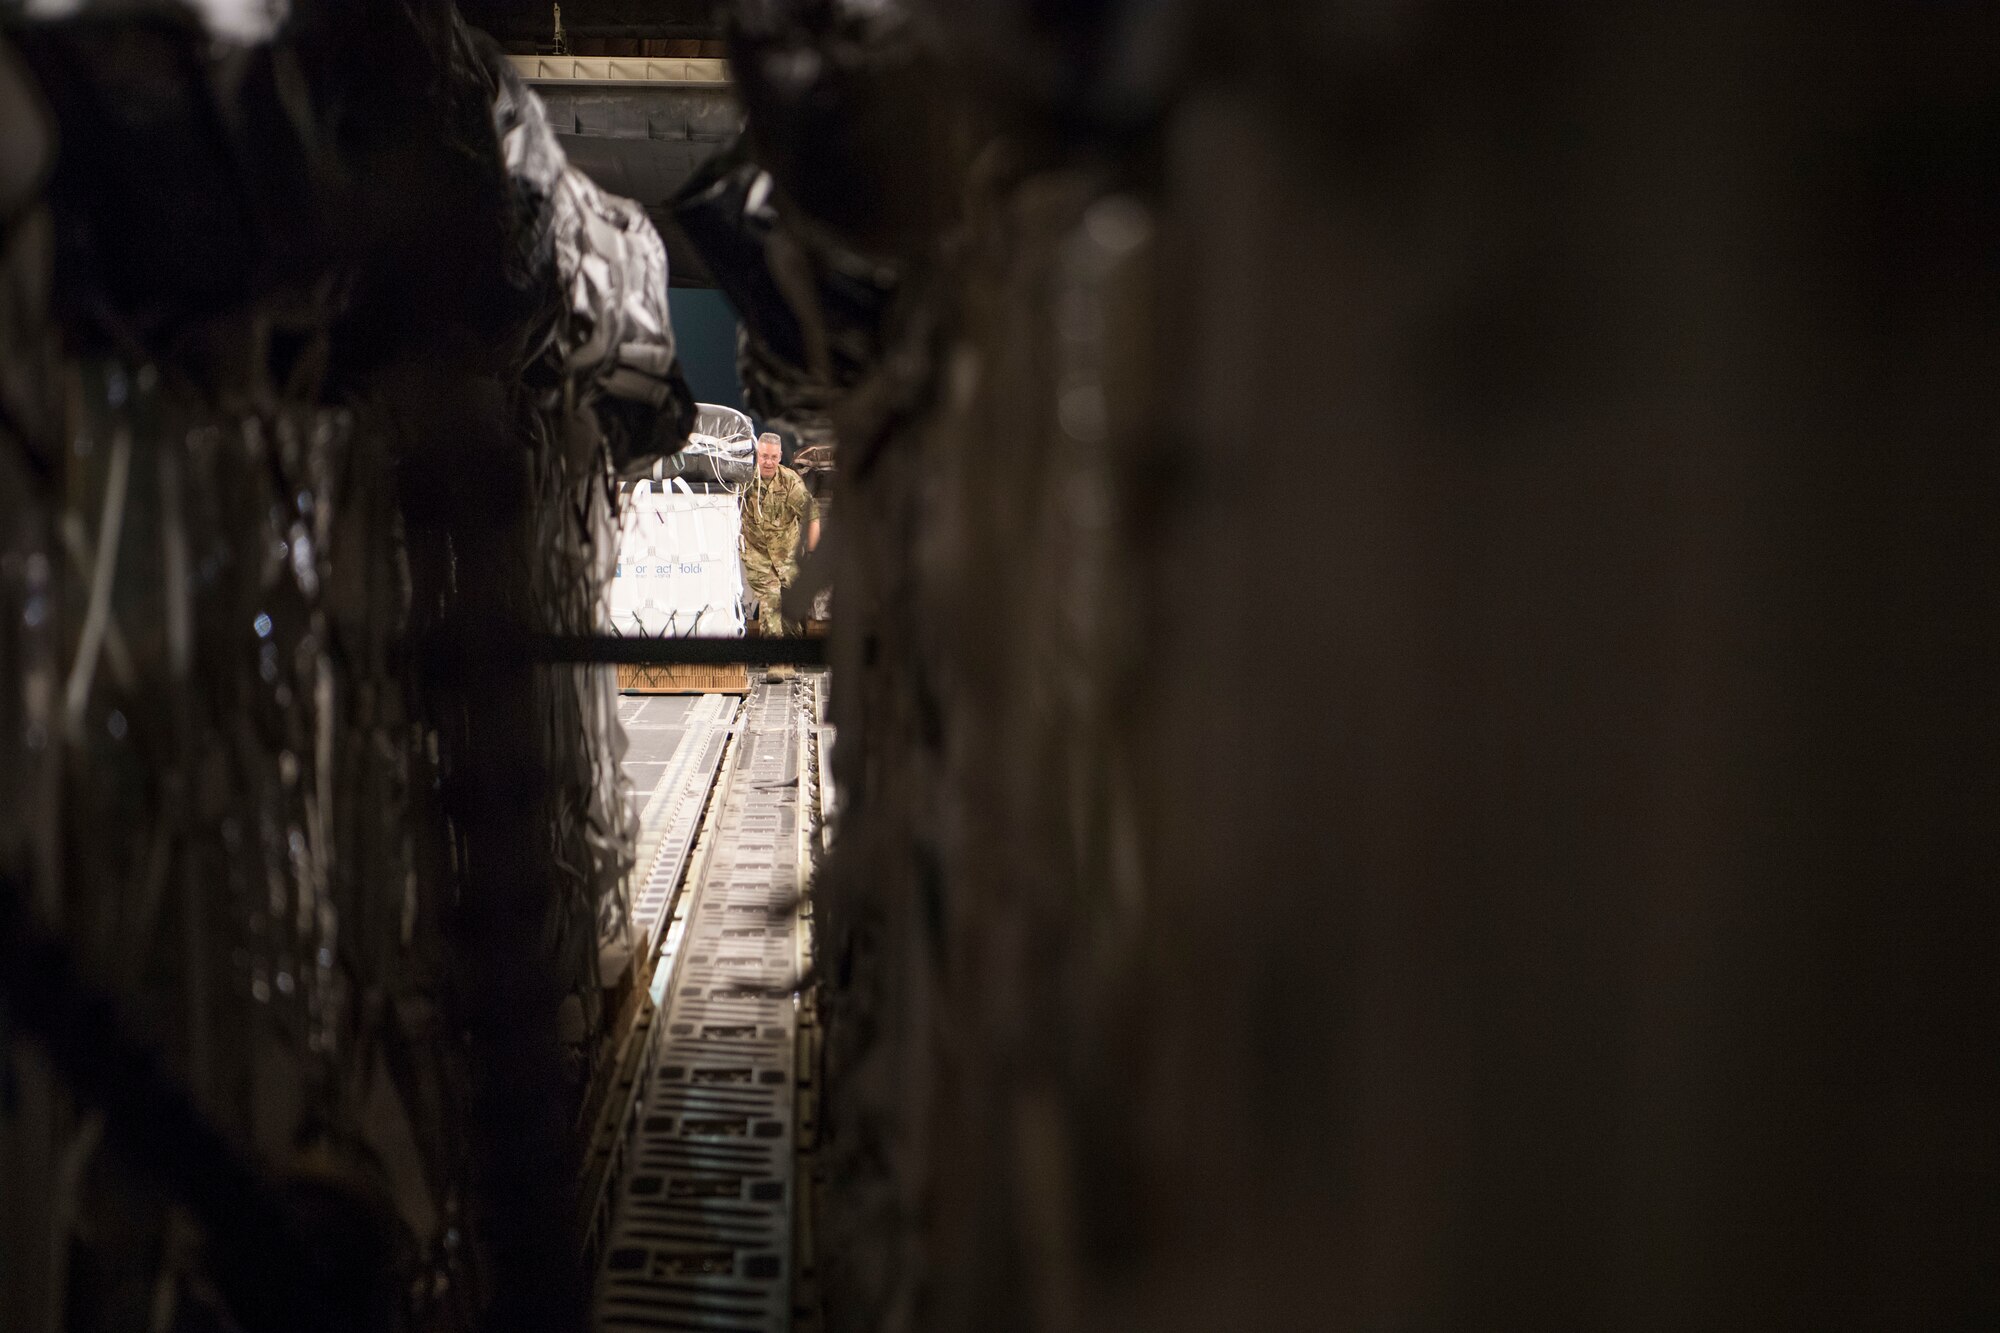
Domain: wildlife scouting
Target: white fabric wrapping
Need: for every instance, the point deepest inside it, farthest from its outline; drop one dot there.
(679, 571)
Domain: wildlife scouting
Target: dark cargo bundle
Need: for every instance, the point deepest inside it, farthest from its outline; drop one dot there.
(314, 363)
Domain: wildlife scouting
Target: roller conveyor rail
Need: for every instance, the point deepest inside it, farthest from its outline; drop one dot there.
(701, 1236)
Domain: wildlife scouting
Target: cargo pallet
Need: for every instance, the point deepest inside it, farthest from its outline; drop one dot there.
(642, 679)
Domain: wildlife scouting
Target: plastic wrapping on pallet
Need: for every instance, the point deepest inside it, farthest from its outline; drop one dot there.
(840, 105)
(212, 612)
(25, 143)
(204, 601)
(812, 311)
(722, 448)
(1032, 305)
(218, 606)
(352, 160)
(1104, 66)
(157, 223)
(610, 334)
(26, 348)
(854, 173)
(615, 281)
(621, 403)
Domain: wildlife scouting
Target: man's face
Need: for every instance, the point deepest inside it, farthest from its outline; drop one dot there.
(768, 453)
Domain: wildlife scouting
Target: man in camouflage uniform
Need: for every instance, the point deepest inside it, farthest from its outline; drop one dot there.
(776, 506)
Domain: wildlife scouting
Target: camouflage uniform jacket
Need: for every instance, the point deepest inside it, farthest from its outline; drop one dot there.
(774, 513)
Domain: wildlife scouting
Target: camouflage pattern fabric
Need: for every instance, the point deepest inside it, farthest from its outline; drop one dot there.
(766, 582)
(775, 512)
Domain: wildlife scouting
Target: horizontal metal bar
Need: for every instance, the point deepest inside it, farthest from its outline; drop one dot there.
(637, 651)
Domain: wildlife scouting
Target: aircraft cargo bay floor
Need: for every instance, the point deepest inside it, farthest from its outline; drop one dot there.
(705, 1187)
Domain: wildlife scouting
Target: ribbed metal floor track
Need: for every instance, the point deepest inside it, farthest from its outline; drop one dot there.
(701, 1237)
(682, 792)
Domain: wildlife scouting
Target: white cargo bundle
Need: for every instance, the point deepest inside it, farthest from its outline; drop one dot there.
(679, 567)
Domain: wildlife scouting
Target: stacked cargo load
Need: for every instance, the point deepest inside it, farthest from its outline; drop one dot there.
(316, 363)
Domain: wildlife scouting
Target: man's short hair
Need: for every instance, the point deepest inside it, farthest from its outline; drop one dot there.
(773, 437)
